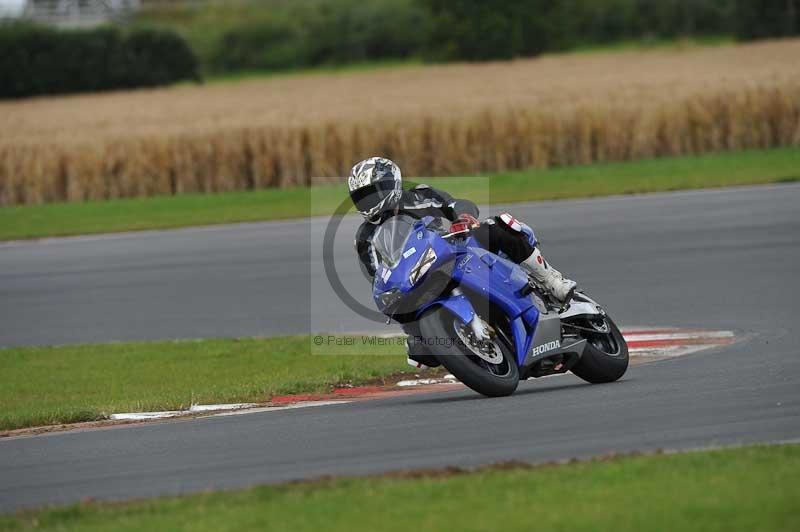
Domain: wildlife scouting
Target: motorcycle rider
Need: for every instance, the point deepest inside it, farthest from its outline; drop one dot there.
(375, 186)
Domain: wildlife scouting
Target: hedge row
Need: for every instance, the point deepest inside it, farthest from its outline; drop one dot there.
(241, 35)
(36, 60)
(767, 18)
(508, 28)
(347, 31)
(512, 28)
(278, 34)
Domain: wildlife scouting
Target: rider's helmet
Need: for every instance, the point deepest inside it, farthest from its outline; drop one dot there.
(375, 187)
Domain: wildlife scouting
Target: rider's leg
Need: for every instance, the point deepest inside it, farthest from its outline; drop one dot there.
(560, 287)
(517, 241)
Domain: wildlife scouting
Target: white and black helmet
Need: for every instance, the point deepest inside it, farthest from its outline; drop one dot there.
(375, 186)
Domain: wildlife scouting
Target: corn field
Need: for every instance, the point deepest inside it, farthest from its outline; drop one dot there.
(432, 120)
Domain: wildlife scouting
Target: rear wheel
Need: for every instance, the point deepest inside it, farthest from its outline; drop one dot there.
(489, 369)
(605, 358)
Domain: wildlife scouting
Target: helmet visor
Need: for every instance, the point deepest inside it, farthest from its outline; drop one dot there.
(368, 197)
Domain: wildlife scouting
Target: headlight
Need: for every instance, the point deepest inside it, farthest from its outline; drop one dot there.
(423, 265)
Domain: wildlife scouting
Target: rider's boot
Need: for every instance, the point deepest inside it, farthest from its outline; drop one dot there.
(561, 288)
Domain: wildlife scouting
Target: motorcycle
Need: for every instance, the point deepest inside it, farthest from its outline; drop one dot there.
(483, 317)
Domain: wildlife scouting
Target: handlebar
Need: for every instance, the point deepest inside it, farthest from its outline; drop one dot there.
(458, 229)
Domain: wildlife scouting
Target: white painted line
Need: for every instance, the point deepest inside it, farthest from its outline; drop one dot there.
(212, 408)
(226, 410)
(280, 408)
(138, 416)
(424, 382)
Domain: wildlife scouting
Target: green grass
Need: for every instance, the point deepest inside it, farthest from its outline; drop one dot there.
(48, 385)
(716, 170)
(751, 489)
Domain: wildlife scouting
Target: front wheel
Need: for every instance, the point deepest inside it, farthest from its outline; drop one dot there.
(492, 372)
(605, 358)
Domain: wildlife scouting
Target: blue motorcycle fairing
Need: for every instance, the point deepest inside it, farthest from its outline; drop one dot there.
(414, 248)
(458, 305)
(476, 269)
(499, 279)
(398, 277)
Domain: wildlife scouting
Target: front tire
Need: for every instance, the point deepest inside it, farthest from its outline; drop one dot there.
(488, 379)
(605, 358)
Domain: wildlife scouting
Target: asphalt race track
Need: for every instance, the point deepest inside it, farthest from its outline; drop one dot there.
(650, 259)
(712, 259)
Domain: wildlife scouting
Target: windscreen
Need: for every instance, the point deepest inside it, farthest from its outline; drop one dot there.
(391, 237)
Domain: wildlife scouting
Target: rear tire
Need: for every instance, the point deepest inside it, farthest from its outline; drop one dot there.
(437, 327)
(599, 366)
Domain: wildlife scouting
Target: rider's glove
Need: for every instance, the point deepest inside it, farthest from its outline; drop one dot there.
(470, 220)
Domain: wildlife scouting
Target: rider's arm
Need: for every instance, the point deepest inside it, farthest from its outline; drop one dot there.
(451, 207)
(462, 206)
(367, 259)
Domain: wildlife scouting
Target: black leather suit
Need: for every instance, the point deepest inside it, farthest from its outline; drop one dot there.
(421, 201)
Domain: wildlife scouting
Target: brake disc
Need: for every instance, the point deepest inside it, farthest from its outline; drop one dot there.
(487, 350)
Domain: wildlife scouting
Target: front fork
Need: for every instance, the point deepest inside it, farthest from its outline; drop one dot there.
(461, 306)
(458, 304)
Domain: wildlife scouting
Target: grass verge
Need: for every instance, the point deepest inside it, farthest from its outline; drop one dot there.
(716, 170)
(67, 384)
(751, 489)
